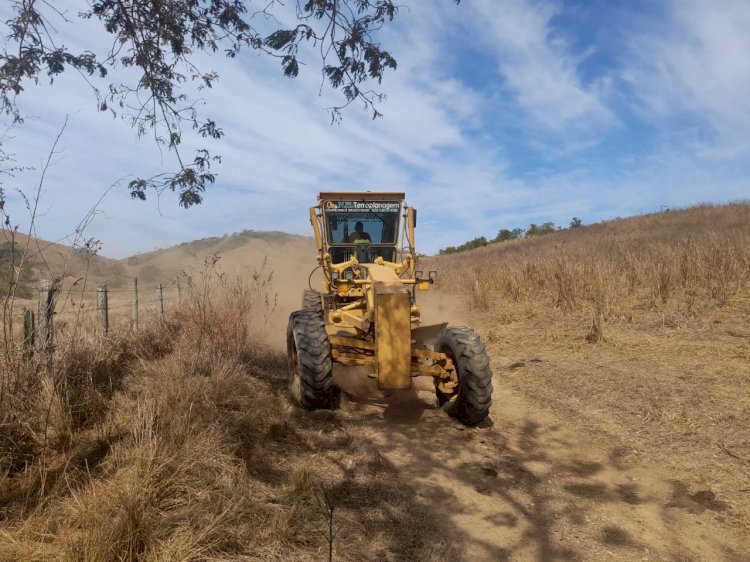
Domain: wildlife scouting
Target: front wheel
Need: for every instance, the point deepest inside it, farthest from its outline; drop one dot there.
(309, 360)
(471, 404)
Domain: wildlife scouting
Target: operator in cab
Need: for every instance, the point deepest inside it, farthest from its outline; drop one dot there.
(359, 233)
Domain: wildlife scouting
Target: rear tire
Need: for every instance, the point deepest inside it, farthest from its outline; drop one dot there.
(309, 360)
(463, 346)
(311, 301)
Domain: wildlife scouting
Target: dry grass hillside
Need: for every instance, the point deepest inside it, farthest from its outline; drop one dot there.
(40, 259)
(285, 260)
(683, 261)
(286, 253)
(635, 329)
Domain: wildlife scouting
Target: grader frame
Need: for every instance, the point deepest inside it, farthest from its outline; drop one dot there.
(367, 313)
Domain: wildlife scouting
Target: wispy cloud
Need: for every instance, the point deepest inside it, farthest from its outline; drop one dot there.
(694, 64)
(539, 65)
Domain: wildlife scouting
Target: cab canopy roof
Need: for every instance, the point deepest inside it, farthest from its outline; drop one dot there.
(360, 196)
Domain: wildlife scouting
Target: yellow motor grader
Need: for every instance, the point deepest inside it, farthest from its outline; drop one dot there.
(366, 315)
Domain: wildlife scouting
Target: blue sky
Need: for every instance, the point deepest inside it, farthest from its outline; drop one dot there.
(501, 113)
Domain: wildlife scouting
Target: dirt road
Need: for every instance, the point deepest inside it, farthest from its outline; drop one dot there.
(536, 484)
(557, 473)
(529, 487)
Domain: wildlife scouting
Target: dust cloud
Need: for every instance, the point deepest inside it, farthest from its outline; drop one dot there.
(441, 307)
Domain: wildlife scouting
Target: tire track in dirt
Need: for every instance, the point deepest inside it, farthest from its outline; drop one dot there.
(527, 486)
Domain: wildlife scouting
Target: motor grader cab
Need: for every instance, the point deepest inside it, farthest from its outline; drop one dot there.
(365, 313)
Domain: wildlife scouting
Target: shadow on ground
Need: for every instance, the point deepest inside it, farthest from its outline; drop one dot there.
(518, 489)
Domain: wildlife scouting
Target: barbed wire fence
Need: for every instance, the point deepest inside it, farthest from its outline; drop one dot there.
(101, 308)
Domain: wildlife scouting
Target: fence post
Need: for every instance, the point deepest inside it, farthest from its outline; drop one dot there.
(45, 341)
(160, 300)
(135, 303)
(28, 329)
(179, 293)
(102, 307)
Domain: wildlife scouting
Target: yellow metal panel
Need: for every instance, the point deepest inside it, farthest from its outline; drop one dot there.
(316, 229)
(393, 335)
(380, 273)
(354, 319)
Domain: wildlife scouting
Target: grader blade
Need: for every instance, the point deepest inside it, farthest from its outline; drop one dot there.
(427, 334)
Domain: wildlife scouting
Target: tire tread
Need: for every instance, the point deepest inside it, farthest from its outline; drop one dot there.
(474, 374)
(307, 334)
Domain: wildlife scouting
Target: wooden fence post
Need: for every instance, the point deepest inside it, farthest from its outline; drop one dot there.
(45, 340)
(179, 292)
(28, 329)
(102, 307)
(160, 300)
(135, 303)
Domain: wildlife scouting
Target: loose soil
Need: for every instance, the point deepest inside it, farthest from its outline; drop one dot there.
(630, 449)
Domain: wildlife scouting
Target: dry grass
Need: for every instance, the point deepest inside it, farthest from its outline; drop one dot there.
(683, 262)
(636, 328)
(177, 442)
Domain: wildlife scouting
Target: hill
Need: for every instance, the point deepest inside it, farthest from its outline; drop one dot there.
(44, 259)
(699, 254)
(38, 259)
(285, 260)
(286, 254)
